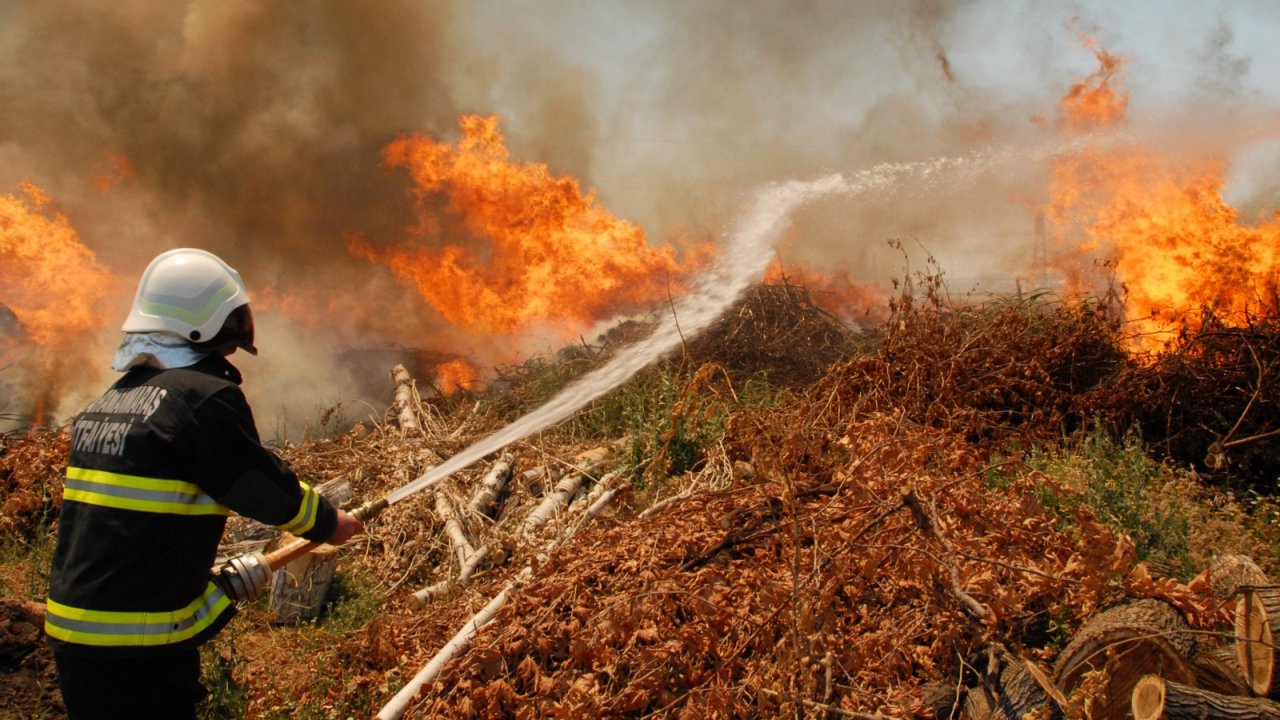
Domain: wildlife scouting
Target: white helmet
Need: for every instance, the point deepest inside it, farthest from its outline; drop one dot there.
(195, 295)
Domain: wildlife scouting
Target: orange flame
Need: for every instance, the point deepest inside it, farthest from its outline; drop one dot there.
(455, 374)
(1159, 222)
(1095, 101)
(51, 281)
(836, 292)
(524, 247)
(55, 288)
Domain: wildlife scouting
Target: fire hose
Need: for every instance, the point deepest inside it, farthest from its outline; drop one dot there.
(244, 577)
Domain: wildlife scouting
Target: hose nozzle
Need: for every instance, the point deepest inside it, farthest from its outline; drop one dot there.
(245, 577)
(370, 510)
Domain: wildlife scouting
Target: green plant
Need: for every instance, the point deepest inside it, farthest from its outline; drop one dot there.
(226, 697)
(1170, 514)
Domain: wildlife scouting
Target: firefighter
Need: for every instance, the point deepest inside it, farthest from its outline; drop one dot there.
(156, 465)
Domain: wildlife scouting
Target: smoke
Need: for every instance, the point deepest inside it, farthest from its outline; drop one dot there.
(253, 129)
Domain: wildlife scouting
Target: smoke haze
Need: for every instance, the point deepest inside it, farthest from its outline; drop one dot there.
(254, 130)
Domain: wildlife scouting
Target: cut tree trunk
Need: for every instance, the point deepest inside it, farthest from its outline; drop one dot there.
(1257, 617)
(300, 588)
(1126, 642)
(1229, 573)
(1218, 670)
(1155, 697)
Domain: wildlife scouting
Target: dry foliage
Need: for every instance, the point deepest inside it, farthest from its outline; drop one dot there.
(1210, 399)
(774, 330)
(842, 552)
(807, 587)
(1008, 369)
(31, 472)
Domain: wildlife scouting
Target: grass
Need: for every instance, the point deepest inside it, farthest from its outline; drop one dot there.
(1172, 516)
(316, 688)
(24, 563)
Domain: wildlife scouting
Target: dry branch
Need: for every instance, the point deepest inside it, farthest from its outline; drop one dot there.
(458, 540)
(927, 519)
(426, 595)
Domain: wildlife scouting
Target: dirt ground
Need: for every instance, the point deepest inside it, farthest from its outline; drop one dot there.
(28, 680)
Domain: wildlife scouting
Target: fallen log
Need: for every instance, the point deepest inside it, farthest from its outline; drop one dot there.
(485, 498)
(396, 707)
(1257, 618)
(405, 402)
(1009, 688)
(1128, 641)
(1155, 697)
(563, 493)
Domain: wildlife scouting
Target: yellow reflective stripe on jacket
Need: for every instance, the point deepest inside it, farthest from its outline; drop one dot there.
(131, 492)
(308, 511)
(134, 629)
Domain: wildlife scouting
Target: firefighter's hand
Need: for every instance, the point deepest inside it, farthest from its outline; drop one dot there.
(348, 527)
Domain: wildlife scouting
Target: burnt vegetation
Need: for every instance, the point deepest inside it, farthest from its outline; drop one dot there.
(812, 520)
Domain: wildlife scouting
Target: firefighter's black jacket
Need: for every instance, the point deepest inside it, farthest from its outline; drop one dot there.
(156, 465)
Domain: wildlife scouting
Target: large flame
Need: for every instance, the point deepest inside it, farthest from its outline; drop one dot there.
(51, 281)
(456, 374)
(53, 284)
(1158, 222)
(511, 246)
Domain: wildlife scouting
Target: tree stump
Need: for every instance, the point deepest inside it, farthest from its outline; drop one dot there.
(1155, 697)
(1126, 642)
(300, 588)
(1257, 616)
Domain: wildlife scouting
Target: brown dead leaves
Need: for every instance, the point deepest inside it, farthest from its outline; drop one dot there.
(822, 588)
(32, 467)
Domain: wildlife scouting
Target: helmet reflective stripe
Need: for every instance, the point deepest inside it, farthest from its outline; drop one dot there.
(133, 629)
(194, 311)
(187, 292)
(130, 492)
(307, 512)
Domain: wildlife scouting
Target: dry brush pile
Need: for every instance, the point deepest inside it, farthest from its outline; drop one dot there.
(873, 544)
